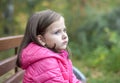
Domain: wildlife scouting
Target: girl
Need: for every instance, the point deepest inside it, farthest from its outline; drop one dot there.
(42, 53)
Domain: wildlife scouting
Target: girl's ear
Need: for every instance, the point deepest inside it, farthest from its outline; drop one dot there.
(41, 40)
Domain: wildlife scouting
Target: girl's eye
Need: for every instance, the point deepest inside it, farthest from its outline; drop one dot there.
(57, 32)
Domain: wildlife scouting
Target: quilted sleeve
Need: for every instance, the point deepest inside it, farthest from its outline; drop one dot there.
(51, 76)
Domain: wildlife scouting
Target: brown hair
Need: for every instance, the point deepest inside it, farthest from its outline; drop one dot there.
(37, 24)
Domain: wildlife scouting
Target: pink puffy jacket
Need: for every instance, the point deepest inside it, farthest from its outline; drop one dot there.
(41, 65)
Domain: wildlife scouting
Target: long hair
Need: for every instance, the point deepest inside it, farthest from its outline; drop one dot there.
(37, 24)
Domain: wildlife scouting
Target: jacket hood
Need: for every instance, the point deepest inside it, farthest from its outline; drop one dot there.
(33, 53)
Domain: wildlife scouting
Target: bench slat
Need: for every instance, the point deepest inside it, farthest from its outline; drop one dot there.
(16, 78)
(10, 42)
(7, 64)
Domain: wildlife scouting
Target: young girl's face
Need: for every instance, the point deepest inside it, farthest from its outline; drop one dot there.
(56, 35)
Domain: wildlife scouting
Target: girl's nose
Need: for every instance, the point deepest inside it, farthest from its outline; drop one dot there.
(64, 36)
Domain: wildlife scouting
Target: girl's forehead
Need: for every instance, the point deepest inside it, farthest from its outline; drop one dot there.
(57, 24)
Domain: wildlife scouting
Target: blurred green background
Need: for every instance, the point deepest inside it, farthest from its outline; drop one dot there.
(93, 28)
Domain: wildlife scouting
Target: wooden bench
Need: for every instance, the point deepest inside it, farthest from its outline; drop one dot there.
(9, 64)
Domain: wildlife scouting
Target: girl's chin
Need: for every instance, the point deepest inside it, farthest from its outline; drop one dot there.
(61, 49)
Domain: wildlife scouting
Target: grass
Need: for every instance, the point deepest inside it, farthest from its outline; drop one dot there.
(96, 75)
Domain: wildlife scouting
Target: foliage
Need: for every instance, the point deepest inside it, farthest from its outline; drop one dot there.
(99, 40)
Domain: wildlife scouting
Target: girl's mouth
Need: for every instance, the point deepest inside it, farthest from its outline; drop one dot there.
(65, 42)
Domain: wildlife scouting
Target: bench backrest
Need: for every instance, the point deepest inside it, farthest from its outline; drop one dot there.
(8, 64)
